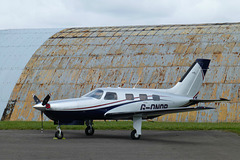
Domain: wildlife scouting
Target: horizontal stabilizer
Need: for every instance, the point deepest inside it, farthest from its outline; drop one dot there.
(196, 101)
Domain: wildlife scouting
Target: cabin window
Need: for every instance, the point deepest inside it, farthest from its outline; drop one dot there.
(95, 94)
(129, 96)
(143, 97)
(156, 97)
(110, 96)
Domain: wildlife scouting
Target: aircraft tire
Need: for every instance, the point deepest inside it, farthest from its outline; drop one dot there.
(134, 136)
(89, 131)
(59, 136)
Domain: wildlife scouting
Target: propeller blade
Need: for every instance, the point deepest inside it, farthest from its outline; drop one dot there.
(36, 99)
(46, 99)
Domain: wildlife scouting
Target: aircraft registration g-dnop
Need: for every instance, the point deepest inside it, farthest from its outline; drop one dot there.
(128, 103)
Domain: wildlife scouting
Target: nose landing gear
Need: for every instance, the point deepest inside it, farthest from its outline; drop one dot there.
(59, 133)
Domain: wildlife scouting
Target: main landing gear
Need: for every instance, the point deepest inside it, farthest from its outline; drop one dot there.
(137, 125)
(89, 131)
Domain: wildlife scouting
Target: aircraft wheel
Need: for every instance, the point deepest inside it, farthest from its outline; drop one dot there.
(89, 131)
(59, 135)
(134, 135)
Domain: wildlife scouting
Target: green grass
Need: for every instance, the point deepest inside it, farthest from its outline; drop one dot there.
(124, 125)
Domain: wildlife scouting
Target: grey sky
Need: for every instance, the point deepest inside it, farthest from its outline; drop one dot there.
(16, 14)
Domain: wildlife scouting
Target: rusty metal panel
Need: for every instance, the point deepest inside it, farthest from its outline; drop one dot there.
(76, 60)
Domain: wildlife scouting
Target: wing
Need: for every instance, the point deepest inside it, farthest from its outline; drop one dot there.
(153, 113)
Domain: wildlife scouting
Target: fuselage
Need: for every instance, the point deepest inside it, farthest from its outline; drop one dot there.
(101, 102)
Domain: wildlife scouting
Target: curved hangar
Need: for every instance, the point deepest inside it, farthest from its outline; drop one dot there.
(76, 60)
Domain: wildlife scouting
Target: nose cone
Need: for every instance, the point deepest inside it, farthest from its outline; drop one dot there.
(39, 106)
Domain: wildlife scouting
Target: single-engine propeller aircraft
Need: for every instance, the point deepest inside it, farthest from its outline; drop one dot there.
(128, 103)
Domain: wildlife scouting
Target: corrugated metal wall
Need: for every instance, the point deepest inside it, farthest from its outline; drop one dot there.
(77, 60)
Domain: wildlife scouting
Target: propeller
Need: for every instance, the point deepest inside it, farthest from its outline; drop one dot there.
(44, 103)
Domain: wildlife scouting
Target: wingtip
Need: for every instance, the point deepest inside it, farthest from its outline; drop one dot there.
(224, 99)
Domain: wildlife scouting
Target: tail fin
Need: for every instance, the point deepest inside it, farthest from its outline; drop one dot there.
(191, 82)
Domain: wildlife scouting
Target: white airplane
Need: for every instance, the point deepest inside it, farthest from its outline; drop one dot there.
(128, 103)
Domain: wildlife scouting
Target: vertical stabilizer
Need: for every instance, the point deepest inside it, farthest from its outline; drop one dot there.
(191, 82)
